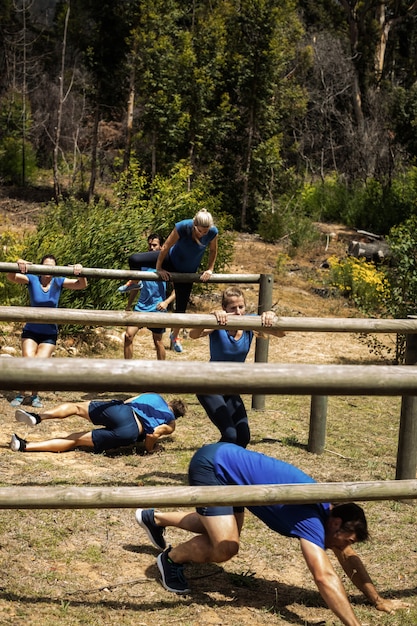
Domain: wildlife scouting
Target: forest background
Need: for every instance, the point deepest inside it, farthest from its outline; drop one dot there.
(275, 115)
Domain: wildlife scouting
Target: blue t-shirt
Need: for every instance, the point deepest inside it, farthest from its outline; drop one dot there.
(152, 292)
(224, 347)
(152, 411)
(235, 465)
(40, 298)
(186, 254)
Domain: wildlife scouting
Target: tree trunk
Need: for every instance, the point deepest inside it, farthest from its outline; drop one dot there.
(57, 186)
(94, 144)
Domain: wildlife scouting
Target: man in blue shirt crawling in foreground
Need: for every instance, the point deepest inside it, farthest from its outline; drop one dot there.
(317, 527)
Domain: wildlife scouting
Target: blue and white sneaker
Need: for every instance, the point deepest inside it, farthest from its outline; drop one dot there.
(36, 402)
(175, 344)
(172, 574)
(145, 519)
(131, 285)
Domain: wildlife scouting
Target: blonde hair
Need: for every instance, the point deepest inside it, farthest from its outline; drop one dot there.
(232, 292)
(204, 219)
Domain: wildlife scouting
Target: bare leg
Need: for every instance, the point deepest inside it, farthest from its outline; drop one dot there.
(64, 444)
(43, 351)
(217, 539)
(66, 410)
(128, 345)
(29, 348)
(175, 332)
(159, 346)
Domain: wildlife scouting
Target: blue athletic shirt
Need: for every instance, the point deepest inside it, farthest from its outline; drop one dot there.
(40, 298)
(152, 411)
(152, 292)
(235, 465)
(186, 254)
(224, 347)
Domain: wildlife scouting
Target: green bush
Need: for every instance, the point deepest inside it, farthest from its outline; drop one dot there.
(10, 250)
(12, 160)
(103, 235)
(288, 224)
(374, 205)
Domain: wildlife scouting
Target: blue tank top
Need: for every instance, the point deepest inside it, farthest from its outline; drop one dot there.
(237, 466)
(40, 298)
(152, 411)
(152, 292)
(224, 347)
(186, 254)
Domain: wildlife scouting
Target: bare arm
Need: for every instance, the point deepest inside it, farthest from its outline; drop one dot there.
(356, 570)
(19, 278)
(328, 583)
(163, 429)
(162, 306)
(170, 241)
(211, 260)
(75, 283)
(221, 318)
(268, 318)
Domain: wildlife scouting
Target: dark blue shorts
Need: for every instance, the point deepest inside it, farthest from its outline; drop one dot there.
(201, 473)
(157, 331)
(120, 426)
(40, 338)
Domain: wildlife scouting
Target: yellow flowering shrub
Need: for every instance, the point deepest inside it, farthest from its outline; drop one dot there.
(360, 281)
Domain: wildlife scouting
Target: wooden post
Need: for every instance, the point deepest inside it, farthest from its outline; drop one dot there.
(318, 421)
(266, 285)
(407, 438)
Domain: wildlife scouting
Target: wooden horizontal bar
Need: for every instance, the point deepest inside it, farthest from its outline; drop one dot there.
(75, 497)
(98, 272)
(135, 376)
(88, 317)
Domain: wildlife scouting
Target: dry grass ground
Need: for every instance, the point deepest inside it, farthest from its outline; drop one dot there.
(97, 567)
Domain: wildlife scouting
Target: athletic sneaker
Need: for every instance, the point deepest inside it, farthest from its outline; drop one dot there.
(131, 285)
(145, 519)
(173, 578)
(36, 402)
(17, 400)
(17, 444)
(175, 344)
(31, 419)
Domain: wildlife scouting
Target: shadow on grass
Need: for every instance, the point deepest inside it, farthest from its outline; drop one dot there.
(266, 596)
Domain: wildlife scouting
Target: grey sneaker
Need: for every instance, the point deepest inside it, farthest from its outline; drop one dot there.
(145, 519)
(17, 444)
(173, 578)
(31, 419)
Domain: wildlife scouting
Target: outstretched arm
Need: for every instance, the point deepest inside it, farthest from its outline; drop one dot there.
(20, 279)
(76, 283)
(206, 275)
(328, 583)
(358, 574)
(268, 318)
(169, 242)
